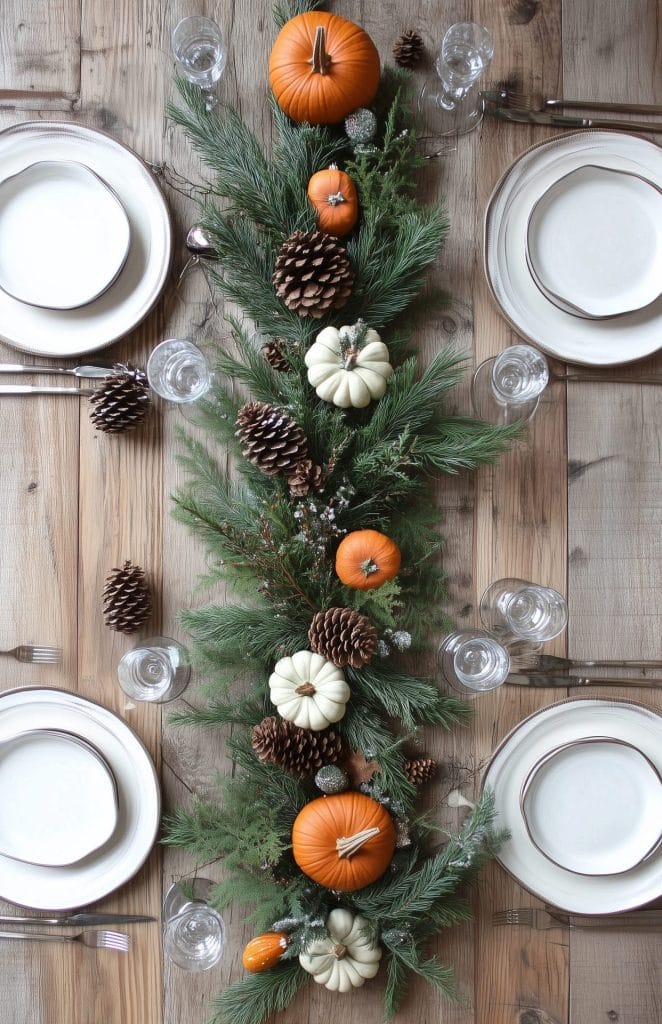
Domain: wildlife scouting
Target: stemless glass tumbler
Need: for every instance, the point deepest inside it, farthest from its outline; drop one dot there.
(507, 387)
(194, 933)
(472, 661)
(513, 608)
(199, 49)
(452, 102)
(178, 371)
(156, 670)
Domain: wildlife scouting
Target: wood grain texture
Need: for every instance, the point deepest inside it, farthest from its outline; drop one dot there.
(39, 53)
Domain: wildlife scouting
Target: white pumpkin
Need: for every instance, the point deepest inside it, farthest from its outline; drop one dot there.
(347, 958)
(348, 366)
(309, 690)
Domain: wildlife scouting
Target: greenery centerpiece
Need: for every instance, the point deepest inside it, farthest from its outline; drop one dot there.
(331, 538)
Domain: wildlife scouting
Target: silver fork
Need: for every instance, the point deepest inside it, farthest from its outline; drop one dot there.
(521, 101)
(118, 941)
(34, 654)
(640, 920)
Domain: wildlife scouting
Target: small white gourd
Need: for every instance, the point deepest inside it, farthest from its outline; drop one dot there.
(308, 690)
(348, 366)
(347, 958)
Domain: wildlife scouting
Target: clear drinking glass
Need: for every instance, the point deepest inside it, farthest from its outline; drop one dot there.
(179, 372)
(157, 670)
(199, 49)
(513, 608)
(453, 102)
(507, 387)
(194, 933)
(473, 661)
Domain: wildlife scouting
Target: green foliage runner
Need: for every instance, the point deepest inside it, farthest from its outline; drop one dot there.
(278, 549)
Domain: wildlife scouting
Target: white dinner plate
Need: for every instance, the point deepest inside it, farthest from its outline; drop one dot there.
(573, 338)
(129, 299)
(594, 806)
(594, 240)
(113, 864)
(64, 235)
(509, 766)
(58, 798)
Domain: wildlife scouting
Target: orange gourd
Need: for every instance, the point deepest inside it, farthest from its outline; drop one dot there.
(344, 842)
(366, 558)
(333, 194)
(264, 951)
(322, 67)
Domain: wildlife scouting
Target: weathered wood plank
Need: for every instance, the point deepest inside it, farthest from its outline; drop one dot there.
(40, 53)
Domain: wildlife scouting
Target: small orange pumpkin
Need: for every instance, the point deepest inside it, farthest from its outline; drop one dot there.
(366, 558)
(344, 842)
(333, 194)
(322, 67)
(264, 951)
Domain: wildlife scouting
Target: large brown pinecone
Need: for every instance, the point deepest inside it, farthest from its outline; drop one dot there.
(343, 636)
(420, 769)
(127, 601)
(270, 439)
(295, 750)
(408, 49)
(122, 401)
(312, 274)
(274, 353)
(305, 477)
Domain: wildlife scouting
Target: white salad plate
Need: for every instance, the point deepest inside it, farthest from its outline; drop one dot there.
(114, 863)
(128, 300)
(571, 337)
(58, 798)
(594, 806)
(594, 241)
(64, 235)
(511, 763)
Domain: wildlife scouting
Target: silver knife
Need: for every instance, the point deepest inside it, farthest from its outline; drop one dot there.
(39, 389)
(566, 121)
(77, 920)
(102, 368)
(541, 681)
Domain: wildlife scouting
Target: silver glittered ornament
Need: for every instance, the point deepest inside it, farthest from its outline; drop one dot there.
(361, 126)
(331, 779)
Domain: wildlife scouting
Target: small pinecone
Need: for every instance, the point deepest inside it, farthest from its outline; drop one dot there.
(331, 779)
(299, 751)
(121, 402)
(306, 476)
(343, 636)
(408, 49)
(270, 439)
(361, 126)
(127, 601)
(312, 274)
(420, 769)
(275, 356)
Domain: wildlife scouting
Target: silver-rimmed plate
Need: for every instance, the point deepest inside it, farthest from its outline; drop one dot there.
(594, 805)
(64, 235)
(122, 306)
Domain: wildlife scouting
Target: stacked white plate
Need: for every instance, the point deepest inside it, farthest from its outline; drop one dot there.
(578, 785)
(573, 247)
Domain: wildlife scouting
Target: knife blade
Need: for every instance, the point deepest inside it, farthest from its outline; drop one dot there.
(567, 121)
(542, 681)
(42, 389)
(77, 920)
(553, 664)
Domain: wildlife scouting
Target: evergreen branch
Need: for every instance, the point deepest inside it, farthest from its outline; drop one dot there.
(257, 996)
(412, 700)
(283, 10)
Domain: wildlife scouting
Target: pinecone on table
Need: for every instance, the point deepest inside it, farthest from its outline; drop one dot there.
(305, 477)
(312, 274)
(343, 636)
(122, 401)
(420, 769)
(127, 600)
(298, 751)
(408, 49)
(270, 439)
(274, 353)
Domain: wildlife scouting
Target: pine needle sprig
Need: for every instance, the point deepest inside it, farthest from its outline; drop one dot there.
(257, 996)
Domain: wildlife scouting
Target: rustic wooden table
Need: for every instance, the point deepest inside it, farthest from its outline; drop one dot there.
(578, 507)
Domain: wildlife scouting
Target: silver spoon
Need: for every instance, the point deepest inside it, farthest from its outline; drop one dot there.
(102, 368)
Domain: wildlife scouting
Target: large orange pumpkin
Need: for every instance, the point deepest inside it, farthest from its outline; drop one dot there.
(322, 67)
(264, 951)
(366, 558)
(344, 842)
(333, 194)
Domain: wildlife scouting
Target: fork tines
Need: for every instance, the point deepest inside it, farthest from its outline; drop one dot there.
(37, 655)
(111, 940)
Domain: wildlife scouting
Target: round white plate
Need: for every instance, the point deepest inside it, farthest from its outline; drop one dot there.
(113, 864)
(58, 799)
(64, 235)
(572, 338)
(594, 240)
(594, 806)
(129, 299)
(507, 771)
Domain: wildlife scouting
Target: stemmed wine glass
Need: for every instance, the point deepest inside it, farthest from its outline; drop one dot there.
(452, 103)
(199, 49)
(507, 387)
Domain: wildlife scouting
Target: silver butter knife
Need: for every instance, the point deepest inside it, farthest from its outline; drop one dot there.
(103, 368)
(77, 920)
(541, 681)
(42, 389)
(566, 121)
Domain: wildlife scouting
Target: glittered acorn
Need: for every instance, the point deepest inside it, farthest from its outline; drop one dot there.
(361, 126)
(331, 779)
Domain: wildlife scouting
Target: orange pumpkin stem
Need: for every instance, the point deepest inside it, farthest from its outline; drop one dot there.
(320, 60)
(349, 845)
(368, 567)
(306, 690)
